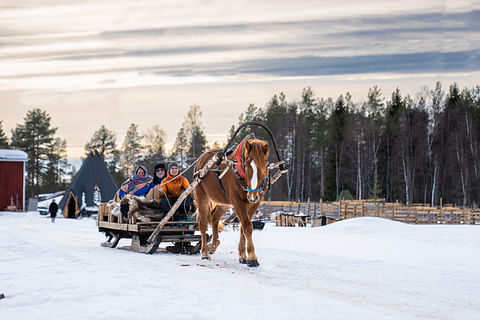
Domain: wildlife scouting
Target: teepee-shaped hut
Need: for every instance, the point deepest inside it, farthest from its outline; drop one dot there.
(93, 183)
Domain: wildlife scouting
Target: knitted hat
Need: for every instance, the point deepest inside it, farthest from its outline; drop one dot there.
(172, 164)
(160, 165)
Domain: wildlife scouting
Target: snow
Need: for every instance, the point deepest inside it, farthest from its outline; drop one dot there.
(363, 268)
(13, 155)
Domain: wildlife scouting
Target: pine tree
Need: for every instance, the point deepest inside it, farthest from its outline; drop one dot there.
(337, 122)
(282, 123)
(392, 167)
(252, 113)
(56, 168)
(180, 147)
(35, 136)
(103, 141)
(197, 143)
(3, 137)
(131, 149)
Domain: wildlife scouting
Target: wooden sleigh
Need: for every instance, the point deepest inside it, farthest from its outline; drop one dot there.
(147, 236)
(116, 227)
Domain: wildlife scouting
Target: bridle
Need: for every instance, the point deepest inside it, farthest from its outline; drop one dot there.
(260, 189)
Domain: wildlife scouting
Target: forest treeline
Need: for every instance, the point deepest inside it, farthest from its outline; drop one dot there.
(48, 169)
(422, 150)
(413, 150)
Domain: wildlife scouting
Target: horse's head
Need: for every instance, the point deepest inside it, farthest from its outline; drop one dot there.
(256, 161)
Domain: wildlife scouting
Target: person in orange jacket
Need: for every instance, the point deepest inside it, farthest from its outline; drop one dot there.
(171, 188)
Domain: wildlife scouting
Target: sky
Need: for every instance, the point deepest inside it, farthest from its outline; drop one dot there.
(362, 268)
(113, 63)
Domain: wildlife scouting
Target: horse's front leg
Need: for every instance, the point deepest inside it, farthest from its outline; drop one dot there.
(242, 253)
(246, 233)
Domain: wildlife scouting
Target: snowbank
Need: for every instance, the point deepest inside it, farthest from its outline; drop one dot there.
(364, 268)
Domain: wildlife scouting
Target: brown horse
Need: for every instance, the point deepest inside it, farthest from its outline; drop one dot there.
(242, 186)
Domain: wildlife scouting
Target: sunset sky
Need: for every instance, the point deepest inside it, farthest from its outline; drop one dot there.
(89, 63)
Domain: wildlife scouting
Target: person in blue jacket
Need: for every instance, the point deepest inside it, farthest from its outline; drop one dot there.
(139, 184)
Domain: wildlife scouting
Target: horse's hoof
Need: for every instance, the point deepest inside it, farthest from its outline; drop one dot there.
(242, 260)
(205, 257)
(253, 263)
(211, 250)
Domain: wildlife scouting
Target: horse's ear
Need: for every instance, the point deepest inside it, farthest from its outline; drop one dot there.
(265, 148)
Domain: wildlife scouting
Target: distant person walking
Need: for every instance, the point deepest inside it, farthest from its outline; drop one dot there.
(53, 208)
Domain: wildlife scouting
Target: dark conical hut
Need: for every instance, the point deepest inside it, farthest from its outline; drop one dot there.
(91, 184)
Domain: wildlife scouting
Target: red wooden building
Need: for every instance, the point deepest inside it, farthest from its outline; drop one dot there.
(12, 179)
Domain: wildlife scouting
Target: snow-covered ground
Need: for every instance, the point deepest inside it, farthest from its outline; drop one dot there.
(364, 268)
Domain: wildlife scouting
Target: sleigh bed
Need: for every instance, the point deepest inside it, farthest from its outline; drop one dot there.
(117, 226)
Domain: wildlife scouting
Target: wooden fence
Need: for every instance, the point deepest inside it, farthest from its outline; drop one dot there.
(302, 213)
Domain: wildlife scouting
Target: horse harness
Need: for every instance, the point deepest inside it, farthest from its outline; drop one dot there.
(237, 165)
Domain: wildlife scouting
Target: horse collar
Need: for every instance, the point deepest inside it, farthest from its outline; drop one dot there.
(240, 160)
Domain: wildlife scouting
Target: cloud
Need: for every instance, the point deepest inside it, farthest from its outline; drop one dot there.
(401, 63)
(435, 39)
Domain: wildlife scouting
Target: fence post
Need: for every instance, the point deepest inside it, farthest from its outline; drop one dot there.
(340, 211)
(321, 207)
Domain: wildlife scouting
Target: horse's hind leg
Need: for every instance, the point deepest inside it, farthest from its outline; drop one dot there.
(203, 210)
(216, 214)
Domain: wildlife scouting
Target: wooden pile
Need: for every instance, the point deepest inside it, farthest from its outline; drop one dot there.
(302, 213)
